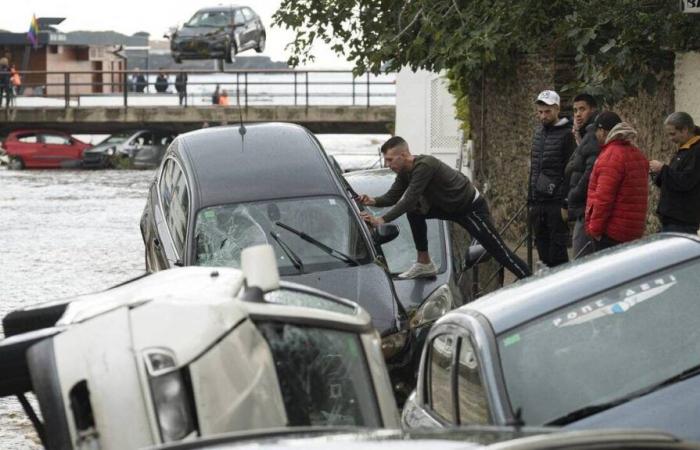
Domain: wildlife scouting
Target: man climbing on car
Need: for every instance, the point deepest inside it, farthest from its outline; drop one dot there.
(427, 188)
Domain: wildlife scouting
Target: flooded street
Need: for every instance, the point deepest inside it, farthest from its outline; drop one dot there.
(64, 233)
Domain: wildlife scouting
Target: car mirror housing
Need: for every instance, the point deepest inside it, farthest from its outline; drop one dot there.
(385, 232)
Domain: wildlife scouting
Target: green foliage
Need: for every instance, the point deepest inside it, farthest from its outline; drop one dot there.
(620, 46)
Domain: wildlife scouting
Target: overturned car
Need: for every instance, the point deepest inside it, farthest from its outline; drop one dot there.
(195, 352)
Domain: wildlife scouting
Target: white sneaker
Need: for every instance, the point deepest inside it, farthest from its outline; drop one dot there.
(420, 270)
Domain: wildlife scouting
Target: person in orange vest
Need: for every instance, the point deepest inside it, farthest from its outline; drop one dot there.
(223, 98)
(15, 80)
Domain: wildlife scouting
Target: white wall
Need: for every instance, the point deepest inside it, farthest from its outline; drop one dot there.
(425, 116)
(687, 84)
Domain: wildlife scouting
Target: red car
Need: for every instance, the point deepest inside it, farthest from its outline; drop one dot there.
(43, 149)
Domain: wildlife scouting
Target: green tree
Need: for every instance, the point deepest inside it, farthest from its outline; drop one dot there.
(620, 46)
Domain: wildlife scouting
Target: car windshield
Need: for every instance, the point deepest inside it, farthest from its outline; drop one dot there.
(604, 348)
(298, 298)
(209, 19)
(401, 252)
(323, 375)
(222, 232)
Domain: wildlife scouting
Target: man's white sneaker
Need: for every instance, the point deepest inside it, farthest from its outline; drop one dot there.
(420, 270)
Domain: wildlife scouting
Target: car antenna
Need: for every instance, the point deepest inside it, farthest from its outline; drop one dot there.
(241, 129)
(517, 420)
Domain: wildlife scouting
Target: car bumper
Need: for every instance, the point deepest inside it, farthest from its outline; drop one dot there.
(198, 49)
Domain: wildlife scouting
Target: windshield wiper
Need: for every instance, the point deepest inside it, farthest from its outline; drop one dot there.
(331, 251)
(293, 257)
(590, 410)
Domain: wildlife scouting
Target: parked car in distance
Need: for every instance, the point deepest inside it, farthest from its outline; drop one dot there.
(222, 189)
(195, 351)
(467, 438)
(141, 149)
(218, 32)
(43, 149)
(610, 340)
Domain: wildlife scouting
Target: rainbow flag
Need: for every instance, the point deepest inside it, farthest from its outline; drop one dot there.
(33, 33)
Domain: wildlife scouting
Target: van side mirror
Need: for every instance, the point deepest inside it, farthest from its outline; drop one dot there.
(385, 232)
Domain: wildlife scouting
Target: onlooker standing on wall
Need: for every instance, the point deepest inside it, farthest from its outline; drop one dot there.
(618, 190)
(161, 83)
(679, 204)
(16, 81)
(5, 86)
(223, 98)
(140, 82)
(578, 171)
(181, 87)
(552, 147)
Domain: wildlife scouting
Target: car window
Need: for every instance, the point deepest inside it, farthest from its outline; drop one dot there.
(440, 376)
(401, 252)
(222, 232)
(175, 200)
(238, 17)
(323, 375)
(248, 13)
(28, 138)
(473, 404)
(603, 348)
(56, 139)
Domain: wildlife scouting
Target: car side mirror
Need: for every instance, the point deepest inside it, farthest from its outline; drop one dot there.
(385, 232)
(476, 254)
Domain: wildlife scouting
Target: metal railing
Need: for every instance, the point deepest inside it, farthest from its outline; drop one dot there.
(244, 87)
(499, 274)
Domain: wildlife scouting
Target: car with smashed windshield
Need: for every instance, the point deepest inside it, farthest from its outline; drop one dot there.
(222, 189)
(194, 352)
(218, 32)
(610, 340)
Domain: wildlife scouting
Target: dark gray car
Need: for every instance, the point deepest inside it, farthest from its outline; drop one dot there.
(141, 149)
(218, 32)
(610, 340)
(220, 190)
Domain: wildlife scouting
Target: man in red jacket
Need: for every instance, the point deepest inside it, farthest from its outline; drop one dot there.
(616, 206)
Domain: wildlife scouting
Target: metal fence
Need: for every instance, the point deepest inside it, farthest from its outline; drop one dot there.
(244, 87)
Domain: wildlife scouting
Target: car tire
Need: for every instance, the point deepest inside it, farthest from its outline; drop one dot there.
(231, 51)
(16, 163)
(261, 44)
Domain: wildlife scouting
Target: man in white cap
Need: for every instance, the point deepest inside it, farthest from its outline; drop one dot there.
(552, 147)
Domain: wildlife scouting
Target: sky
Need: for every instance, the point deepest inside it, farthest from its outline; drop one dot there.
(153, 16)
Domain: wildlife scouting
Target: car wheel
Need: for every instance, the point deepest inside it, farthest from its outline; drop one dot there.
(231, 52)
(16, 163)
(261, 44)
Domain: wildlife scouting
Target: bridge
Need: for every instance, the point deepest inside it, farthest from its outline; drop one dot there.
(325, 101)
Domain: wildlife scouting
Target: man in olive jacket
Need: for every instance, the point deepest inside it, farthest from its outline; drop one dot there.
(424, 188)
(552, 147)
(679, 180)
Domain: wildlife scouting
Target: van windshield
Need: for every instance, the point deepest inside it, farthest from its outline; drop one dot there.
(222, 232)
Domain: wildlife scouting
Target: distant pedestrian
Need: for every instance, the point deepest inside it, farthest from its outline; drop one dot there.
(15, 81)
(552, 146)
(223, 98)
(578, 171)
(181, 87)
(425, 188)
(161, 83)
(140, 82)
(215, 96)
(618, 190)
(5, 84)
(679, 180)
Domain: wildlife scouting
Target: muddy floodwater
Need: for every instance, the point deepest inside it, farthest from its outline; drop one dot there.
(65, 233)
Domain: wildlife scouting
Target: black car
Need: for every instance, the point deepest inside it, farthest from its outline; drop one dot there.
(610, 340)
(220, 190)
(218, 32)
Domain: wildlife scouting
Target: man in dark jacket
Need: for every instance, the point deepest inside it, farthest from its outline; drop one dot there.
(679, 180)
(424, 188)
(578, 171)
(616, 208)
(161, 83)
(552, 147)
(181, 87)
(5, 85)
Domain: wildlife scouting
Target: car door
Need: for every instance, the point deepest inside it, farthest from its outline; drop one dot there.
(240, 29)
(253, 26)
(55, 149)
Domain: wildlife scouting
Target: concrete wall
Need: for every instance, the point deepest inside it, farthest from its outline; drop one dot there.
(687, 84)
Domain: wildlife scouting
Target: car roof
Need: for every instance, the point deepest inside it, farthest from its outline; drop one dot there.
(269, 161)
(556, 288)
(218, 8)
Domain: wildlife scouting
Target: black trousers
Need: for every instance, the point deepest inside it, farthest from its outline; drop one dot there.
(6, 91)
(551, 233)
(477, 221)
(679, 227)
(603, 243)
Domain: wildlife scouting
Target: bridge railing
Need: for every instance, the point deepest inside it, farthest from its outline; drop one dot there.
(64, 89)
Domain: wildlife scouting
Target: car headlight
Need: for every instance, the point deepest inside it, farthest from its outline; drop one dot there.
(437, 304)
(110, 151)
(171, 395)
(393, 343)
